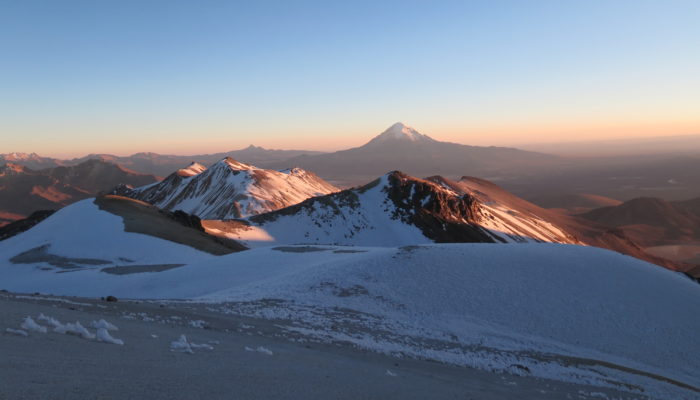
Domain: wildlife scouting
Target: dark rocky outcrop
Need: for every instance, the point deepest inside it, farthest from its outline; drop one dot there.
(17, 227)
(185, 219)
(441, 216)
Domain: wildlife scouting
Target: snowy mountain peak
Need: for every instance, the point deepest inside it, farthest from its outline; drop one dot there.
(231, 189)
(401, 132)
(193, 169)
(231, 164)
(11, 169)
(15, 156)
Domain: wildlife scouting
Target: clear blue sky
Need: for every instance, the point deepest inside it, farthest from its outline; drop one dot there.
(181, 77)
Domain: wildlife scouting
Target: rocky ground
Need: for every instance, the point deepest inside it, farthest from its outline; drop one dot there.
(244, 358)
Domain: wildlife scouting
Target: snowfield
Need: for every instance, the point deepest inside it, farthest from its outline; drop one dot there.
(88, 236)
(565, 312)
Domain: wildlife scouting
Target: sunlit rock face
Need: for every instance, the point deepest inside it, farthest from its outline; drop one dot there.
(230, 189)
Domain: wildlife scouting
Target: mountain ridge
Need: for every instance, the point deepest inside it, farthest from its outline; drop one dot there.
(398, 209)
(435, 209)
(230, 189)
(24, 190)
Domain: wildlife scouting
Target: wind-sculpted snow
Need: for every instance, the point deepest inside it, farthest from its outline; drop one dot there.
(572, 313)
(230, 189)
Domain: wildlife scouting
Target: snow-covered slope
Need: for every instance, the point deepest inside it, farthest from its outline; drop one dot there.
(194, 168)
(395, 210)
(572, 313)
(401, 132)
(84, 236)
(230, 189)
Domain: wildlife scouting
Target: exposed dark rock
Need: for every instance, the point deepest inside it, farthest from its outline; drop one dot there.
(17, 227)
(441, 216)
(137, 269)
(41, 254)
(299, 249)
(185, 219)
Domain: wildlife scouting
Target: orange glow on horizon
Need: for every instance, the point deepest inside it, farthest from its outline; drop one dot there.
(504, 134)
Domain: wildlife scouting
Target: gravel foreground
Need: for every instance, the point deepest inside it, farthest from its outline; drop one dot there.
(249, 359)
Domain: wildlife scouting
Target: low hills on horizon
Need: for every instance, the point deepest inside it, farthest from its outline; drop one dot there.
(531, 175)
(399, 147)
(154, 163)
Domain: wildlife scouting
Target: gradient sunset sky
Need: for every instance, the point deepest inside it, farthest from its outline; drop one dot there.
(188, 77)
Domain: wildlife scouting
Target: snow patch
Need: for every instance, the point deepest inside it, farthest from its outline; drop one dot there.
(18, 332)
(30, 325)
(259, 349)
(197, 324)
(76, 329)
(104, 336)
(102, 324)
(182, 345)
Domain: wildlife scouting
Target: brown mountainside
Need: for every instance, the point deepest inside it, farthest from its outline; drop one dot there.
(24, 190)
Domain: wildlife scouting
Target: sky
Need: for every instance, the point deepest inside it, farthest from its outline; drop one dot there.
(185, 77)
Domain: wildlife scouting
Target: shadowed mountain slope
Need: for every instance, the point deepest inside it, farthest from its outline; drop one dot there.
(24, 190)
(651, 221)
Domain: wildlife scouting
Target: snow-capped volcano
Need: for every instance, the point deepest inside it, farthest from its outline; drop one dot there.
(403, 148)
(400, 132)
(395, 210)
(230, 189)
